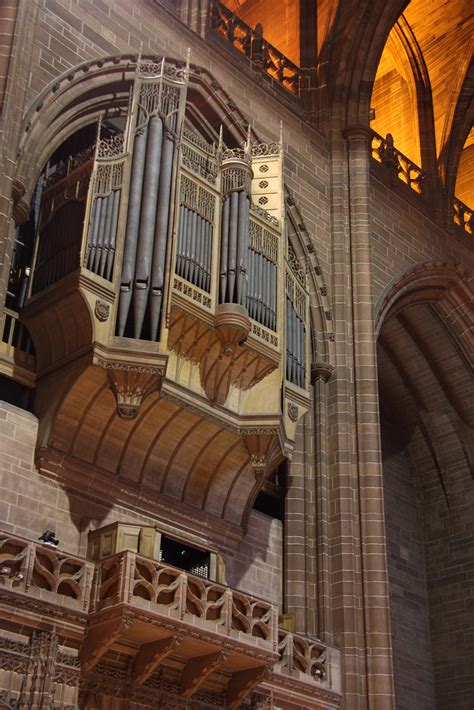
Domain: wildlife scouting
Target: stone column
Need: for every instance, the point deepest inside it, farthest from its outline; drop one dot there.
(373, 559)
(299, 529)
(320, 374)
(11, 192)
(359, 581)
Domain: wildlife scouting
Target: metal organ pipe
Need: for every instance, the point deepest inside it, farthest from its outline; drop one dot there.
(232, 249)
(242, 248)
(147, 223)
(224, 247)
(161, 235)
(131, 233)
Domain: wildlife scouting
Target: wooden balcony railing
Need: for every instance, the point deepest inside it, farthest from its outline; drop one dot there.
(45, 573)
(37, 573)
(383, 151)
(156, 587)
(256, 48)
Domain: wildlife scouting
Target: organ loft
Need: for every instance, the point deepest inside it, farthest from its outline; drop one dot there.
(236, 355)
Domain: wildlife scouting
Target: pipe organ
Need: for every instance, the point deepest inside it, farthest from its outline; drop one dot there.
(179, 247)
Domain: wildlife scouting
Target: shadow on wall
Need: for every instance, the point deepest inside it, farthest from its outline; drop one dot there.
(257, 565)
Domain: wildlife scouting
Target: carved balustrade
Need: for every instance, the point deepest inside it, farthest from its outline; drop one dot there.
(256, 48)
(302, 655)
(44, 572)
(383, 151)
(463, 216)
(167, 591)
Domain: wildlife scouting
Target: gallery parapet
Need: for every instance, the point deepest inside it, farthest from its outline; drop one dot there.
(400, 166)
(256, 48)
(463, 216)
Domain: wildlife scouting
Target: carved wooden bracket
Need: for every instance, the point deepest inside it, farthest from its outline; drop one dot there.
(264, 448)
(150, 655)
(99, 639)
(242, 683)
(131, 384)
(232, 325)
(198, 669)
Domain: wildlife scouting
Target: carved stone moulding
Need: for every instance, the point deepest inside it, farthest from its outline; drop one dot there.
(321, 371)
(21, 208)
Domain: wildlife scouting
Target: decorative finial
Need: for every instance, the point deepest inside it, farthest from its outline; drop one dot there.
(188, 62)
(248, 144)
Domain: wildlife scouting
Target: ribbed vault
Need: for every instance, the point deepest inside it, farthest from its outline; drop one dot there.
(426, 371)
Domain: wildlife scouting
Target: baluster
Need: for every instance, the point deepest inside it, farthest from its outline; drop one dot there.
(127, 576)
(182, 591)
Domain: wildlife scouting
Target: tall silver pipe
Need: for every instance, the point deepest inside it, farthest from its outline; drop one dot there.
(161, 236)
(106, 234)
(92, 241)
(131, 231)
(242, 244)
(210, 244)
(224, 248)
(113, 236)
(147, 223)
(232, 252)
(104, 215)
(287, 334)
(181, 232)
(189, 244)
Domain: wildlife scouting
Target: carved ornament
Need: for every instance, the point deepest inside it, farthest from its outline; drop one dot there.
(101, 310)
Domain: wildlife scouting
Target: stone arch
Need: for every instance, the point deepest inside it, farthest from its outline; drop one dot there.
(425, 322)
(460, 125)
(79, 95)
(354, 62)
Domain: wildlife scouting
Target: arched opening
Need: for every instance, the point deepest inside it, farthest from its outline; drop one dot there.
(427, 422)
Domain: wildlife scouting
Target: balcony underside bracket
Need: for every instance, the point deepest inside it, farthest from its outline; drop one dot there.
(198, 669)
(99, 639)
(150, 656)
(242, 683)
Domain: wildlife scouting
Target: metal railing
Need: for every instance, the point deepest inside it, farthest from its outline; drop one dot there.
(256, 48)
(383, 151)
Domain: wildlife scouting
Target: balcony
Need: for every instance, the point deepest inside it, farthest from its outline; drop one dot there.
(257, 49)
(36, 574)
(197, 633)
(398, 165)
(17, 358)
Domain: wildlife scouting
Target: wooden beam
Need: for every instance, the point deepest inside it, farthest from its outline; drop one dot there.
(242, 683)
(149, 657)
(99, 639)
(198, 669)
